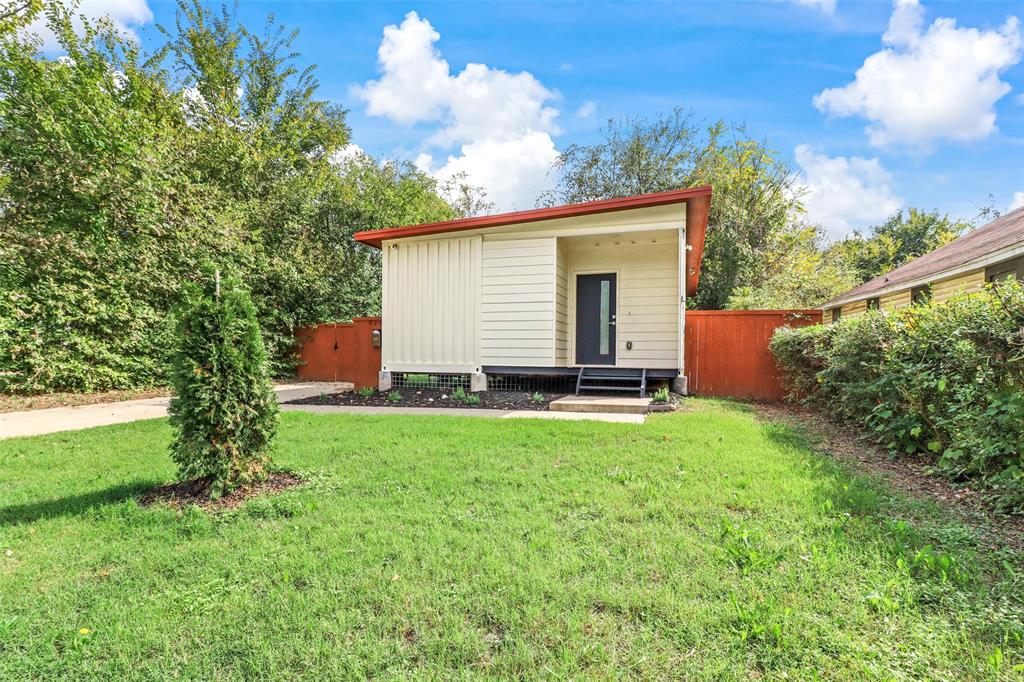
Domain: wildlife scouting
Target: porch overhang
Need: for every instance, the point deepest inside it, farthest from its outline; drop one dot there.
(697, 201)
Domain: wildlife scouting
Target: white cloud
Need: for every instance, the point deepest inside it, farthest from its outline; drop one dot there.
(929, 84)
(347, 153)
(823, 6)
(514, 171)
(841, 193)
(500, 121)
(126, 15)
(587, 109)
(1016, 202)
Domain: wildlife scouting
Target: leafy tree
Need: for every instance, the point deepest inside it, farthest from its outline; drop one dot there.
(121, 172)
(796, 271)
(901, 238)
(752, 197)
(223, 411)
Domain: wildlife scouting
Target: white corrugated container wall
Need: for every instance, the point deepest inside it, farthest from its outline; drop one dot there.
(431, 305)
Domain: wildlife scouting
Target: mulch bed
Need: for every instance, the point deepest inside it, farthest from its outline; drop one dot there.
(428, 397)
(43, 401)
(907, 474)
(195, 492)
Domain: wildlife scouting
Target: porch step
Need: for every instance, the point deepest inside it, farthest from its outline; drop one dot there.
(612, 379)
(598, 403)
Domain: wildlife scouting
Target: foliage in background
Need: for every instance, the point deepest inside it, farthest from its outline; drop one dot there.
(795, 271)
(753, 206)
(943, 380)
(224, 411)
(901, 238)
(120, 173)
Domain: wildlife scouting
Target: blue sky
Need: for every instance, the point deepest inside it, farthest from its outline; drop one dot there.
(934, 118)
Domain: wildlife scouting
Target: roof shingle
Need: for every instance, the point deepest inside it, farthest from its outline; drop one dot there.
(1003, 232)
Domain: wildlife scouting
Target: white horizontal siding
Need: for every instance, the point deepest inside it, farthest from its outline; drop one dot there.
(647, 298)
(517, 324)
(431, 305)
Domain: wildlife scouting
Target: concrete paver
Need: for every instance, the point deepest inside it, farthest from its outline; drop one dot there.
(52, 420)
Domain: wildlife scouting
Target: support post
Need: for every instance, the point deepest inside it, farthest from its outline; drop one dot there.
(383, 381)
(477, 382)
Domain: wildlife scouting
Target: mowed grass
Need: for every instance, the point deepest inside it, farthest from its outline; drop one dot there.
(701, 545)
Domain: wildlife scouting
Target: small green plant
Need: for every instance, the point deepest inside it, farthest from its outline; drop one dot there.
(472, 399)
(394, 396)
(660, 396)
(366, 391)
(420, 381)
(537, 397)
(459, 394)
(224, 411)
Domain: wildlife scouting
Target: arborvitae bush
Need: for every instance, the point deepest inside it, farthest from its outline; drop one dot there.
(943, 381)
(224, 409)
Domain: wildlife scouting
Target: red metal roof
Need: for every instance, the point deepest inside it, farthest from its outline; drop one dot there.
(697, 200)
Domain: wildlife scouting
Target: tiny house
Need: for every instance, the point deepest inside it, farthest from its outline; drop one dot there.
(597, 287)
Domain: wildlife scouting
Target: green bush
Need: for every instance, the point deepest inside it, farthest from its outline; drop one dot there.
(223, 410)
(943, 380)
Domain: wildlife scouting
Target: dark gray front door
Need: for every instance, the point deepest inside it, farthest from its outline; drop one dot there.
(595, 319)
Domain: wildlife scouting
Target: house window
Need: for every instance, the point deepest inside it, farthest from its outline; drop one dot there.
(874, 304)
(1004, 271)
(921, 295)
(836, 314)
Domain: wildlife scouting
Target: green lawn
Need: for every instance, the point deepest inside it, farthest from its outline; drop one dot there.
(700, 545)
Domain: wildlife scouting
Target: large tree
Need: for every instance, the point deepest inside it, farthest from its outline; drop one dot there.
(121, 172)
(752, 187)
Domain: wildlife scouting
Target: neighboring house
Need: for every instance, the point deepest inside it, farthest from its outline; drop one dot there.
(545, 292)
(987, 254)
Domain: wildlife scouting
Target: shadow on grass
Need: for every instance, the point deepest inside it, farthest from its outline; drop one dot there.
(72, 505)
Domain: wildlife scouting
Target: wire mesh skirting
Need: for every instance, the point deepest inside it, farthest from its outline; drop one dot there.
(531, 383)
(442, 382)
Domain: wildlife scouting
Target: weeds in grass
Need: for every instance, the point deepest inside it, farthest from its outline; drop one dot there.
(742, 550)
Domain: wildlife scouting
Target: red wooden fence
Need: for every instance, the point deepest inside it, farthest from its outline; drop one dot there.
(340, 352)
(727, 351)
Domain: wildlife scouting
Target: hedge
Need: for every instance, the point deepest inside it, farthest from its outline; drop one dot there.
(942, 380)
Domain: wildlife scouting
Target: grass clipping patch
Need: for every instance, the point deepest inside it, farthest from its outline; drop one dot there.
(197, 492)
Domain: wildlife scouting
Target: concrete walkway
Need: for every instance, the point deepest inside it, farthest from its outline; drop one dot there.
(468, 412)
(52, 420)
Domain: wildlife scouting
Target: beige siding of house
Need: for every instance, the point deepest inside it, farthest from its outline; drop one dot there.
(854, 309)
(897, 299)
(431, 305)
(647, 293)
(518, 318)
(965, 283)
(561, 306)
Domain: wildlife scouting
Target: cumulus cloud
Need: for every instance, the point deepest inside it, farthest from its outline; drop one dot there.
(841, 193)
(1016, 202)
(514, 172)
(501, 122)
(929, 84)
(126, 15)
(823, 6)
